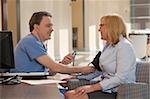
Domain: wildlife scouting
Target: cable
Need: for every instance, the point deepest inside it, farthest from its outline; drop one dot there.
(12, 80)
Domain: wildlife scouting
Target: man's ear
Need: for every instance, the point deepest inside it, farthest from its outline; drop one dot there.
(36, 27)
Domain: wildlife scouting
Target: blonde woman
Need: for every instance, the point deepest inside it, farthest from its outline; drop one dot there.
(117, 62)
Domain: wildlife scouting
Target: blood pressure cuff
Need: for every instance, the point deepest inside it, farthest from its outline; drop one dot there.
(95, 61)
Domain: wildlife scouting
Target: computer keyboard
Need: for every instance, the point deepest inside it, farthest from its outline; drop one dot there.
(30, 75)
(26, 74)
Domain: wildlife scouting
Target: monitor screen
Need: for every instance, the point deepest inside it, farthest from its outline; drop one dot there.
(6, 51)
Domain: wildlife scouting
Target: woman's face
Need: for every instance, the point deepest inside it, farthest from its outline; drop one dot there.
(103, 30)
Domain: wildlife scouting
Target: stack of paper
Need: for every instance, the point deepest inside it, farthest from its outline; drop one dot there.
(39, 82)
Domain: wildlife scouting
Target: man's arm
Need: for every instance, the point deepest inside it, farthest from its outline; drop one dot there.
(60, 68)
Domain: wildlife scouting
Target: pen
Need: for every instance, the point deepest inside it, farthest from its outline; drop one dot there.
(74, 54)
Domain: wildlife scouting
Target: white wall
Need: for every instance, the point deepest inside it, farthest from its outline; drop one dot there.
(94, 10)
(90, 25)
(63, 27)
(61, 42)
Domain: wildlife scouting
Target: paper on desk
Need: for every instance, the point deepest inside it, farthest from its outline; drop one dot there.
(39, 82)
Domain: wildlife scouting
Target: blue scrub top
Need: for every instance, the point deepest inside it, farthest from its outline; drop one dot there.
(26, 52)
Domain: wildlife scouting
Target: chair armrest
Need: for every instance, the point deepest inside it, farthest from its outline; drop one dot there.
(133, 91)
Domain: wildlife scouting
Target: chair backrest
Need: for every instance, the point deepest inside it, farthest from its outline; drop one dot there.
(142, 72)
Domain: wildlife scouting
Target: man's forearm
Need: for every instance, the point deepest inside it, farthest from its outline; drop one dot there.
(61, 68)
(69, 70)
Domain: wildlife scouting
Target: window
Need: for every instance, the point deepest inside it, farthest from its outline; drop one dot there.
(140, 15)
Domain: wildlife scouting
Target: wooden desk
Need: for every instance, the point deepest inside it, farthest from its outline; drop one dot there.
(25, 91)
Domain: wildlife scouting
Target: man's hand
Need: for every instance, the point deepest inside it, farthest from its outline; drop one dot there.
(87, 69)
(67, 59)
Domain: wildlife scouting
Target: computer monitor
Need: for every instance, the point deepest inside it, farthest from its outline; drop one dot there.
(6, 51)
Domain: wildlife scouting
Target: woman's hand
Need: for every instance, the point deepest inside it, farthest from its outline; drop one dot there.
(88, 88)
(67, 59)
(75, 95)
(84, 89)
(87, 69)
(81, 92)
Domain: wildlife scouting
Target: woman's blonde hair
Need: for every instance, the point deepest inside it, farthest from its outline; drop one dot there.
(115, 27)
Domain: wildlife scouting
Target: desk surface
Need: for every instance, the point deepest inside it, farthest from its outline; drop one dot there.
(25, 91)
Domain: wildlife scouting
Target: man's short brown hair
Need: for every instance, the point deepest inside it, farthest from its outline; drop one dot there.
(36, 18)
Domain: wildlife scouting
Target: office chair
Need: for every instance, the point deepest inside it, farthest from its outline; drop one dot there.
(140, 89)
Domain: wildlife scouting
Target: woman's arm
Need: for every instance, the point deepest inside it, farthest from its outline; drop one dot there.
(88, 88)
(89, 76)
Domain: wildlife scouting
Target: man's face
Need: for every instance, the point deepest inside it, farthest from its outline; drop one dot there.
(45, 28)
